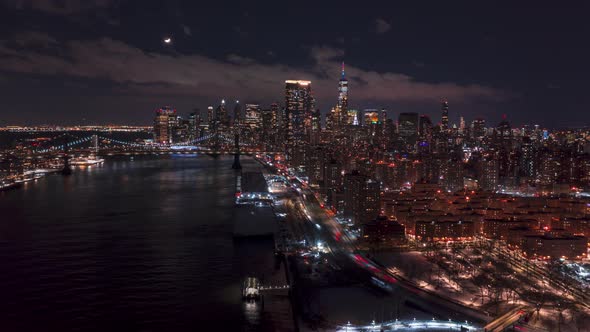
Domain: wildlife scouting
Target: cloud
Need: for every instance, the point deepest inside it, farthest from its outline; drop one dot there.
(34, 39)
(382, 26)
(187, 30)
(59, 7)
(323, 53)
(239, 60)
(133, 69)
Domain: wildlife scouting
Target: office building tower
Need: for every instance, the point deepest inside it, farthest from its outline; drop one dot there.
(165, 124)
(269, 131)
(299, 103)
(352, 118)
(252, 123)
(444, 122)
(210, 116)
(342, 98)
(194, 122)
(371, 117)
(408, 128)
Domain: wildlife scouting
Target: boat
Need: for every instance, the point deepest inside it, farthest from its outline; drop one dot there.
(251, 289)
(25, 177)
(90, 161)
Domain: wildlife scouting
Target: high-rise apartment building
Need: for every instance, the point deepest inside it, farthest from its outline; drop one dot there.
(362, 198)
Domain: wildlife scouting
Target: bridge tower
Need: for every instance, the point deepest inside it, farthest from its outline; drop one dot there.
(236, 164)
(67, 170)
(95, 144)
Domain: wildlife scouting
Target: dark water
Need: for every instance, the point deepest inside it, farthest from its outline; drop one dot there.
(143, 245)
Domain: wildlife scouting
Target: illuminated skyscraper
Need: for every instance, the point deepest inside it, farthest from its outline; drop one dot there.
(445, 116)
(194, 122)
(299, 103)
(352, 118)
(165, 123)
(371, 117)
(221, 116)
(342, 97)
(252, 123)
(253, 116)
(210, 116)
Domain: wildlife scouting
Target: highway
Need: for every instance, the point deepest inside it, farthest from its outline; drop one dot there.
(507, 320)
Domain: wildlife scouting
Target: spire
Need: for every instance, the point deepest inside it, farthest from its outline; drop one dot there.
(343, 76)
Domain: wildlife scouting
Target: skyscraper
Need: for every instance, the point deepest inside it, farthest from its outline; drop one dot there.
(252, 123)
(269, 127)
(210, 116)
(408, 127)
(194, 122)
(370, 117)
(164, 125)
(343, 97)
(488, 176)
(315, 127)
(253, 116)
(299, 103)
(237, 113)
(445, 116)
(221, 115)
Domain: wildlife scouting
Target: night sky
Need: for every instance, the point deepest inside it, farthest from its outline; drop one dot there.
(104, 61)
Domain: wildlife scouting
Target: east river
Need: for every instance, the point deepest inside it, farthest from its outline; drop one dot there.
(136, 245)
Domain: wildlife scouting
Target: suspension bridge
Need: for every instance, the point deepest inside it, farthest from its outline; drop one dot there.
(98, 144)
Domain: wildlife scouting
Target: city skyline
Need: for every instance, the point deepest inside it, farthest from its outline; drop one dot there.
(394, 60)
(174, 165)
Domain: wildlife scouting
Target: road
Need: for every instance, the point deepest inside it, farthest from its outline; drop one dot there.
(308, 215)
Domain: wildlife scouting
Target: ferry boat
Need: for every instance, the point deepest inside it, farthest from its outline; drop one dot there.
(25, 177)
(251, 289)
(90, 161)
